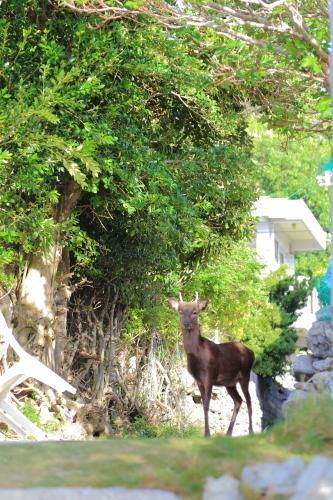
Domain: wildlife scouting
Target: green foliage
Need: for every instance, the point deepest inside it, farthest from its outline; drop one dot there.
(239, 306)
(289, 295)
(141, 428)
(157, 144)
(242, 306)
(279, 65)
(246, 307)
(238, 300)
(7, 257)
(133, 116)
(283, 76)
(30, 410)
(287, 167)
(313, 265)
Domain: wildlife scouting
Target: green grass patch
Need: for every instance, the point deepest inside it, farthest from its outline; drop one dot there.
(175, 464)
(31, 412)
(308, 426)
(141, 428)
(178, 464)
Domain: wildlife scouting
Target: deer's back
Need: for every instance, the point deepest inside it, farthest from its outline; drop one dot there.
(225, 364)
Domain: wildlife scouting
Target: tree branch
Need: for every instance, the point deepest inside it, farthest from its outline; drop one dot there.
(306, 36)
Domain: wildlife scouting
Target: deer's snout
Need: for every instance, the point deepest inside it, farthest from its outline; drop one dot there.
(186, 325)
(187, 322)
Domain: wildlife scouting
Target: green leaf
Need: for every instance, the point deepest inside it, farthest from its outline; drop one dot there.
(46, 115)
(74, 170)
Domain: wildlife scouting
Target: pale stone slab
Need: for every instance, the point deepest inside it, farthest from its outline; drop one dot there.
(323, 381)
(323, 364)
(273, 478)
(223, 488)
(303, 364)
(320, 339)
(316, 482)
(115, 493)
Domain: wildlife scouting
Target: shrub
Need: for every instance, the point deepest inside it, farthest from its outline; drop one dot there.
(141, 427)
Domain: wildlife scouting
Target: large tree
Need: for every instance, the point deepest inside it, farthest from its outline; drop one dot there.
(121, 160)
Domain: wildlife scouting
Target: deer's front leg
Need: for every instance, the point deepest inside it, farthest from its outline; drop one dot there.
(206, 392)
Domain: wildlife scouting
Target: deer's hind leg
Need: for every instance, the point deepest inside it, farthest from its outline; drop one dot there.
(244, 383)
(232, 391)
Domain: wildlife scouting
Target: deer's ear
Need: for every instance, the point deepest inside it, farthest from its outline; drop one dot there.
(202, 304)
(174, 304)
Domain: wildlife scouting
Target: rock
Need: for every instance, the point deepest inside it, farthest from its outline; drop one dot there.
(45, 414)
(304, 386)
(187, 380)
(302, 364)
(221, 407)
(293, 398)
(215, 405)
(115, 493)
(320, 339)
(322, 381)
(322, 365)
(272, 478)
(316, 481)
(71, 431)
(297, 395)
(223, 488)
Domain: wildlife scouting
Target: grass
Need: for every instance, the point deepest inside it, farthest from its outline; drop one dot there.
(31, 412)
(178, 464)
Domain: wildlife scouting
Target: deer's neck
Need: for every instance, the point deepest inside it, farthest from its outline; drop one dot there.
(191, 340)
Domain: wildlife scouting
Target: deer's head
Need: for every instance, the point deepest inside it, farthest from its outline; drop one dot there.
(188, 311)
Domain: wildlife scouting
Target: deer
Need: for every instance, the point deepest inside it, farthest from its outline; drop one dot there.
(212, 364)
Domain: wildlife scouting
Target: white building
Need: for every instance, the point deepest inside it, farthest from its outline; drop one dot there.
(286, 227)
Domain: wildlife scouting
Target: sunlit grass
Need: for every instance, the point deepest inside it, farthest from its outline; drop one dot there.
(308, 426)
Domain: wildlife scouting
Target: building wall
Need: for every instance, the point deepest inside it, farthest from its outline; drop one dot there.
(273, 247)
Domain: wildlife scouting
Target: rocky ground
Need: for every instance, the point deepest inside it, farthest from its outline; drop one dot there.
(221, 408)
(292, 479)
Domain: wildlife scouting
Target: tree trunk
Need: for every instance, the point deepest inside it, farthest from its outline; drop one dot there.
(42, 294)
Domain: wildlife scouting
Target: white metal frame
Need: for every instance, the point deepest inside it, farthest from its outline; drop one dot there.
(26, 367)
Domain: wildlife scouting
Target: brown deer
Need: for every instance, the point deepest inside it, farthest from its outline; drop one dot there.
(214, 364)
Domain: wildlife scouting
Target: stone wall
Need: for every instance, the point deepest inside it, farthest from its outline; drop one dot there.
(314, 369)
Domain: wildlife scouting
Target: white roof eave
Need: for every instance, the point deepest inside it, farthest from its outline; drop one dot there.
(281, 210)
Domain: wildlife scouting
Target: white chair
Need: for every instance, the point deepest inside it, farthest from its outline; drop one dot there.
(26, 367)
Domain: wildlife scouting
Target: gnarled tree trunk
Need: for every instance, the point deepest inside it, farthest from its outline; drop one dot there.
(42, 293)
